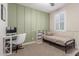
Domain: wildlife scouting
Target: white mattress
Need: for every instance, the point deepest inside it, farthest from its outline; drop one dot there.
(57, 39)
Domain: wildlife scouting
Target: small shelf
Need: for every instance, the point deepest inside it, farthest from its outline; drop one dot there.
(39, 37)
(8, 41)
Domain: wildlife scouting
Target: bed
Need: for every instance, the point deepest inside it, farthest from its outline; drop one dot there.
(66, 42)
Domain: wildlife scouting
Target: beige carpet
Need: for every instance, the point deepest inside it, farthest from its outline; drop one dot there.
(43, 49)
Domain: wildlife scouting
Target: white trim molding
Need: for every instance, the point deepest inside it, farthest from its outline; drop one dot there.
(27, 43)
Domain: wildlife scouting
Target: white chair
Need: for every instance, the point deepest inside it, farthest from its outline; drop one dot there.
(19, 41)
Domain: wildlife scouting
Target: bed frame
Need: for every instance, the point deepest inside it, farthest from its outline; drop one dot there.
(68, 45)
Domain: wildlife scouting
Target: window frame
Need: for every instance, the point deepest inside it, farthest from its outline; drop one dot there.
(65, 22)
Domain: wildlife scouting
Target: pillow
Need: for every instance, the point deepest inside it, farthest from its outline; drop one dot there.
(49, 33)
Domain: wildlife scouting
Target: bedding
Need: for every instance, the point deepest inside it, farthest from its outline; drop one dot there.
(58, 39)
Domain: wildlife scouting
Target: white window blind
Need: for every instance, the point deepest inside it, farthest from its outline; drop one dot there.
(60, 21)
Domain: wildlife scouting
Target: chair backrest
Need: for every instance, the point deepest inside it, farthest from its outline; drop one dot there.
(20, 38)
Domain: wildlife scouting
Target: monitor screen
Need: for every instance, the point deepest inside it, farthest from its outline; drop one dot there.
(11, 30)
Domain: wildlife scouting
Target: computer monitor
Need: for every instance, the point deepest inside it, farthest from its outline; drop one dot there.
(11, 30)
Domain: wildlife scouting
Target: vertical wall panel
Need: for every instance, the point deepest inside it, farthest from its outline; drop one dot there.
(28, 24)
(29, 21)
(34, 24)
(20, 19)
(12, 14)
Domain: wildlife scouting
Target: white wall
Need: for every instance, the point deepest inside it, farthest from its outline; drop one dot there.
(72, 18)
(2, 29)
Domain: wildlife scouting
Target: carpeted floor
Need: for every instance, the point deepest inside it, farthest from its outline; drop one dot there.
(43, 49)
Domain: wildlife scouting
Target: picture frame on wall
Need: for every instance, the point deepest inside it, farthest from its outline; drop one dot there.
(3, 12)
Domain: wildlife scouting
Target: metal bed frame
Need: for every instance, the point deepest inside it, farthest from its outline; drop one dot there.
(68, 45)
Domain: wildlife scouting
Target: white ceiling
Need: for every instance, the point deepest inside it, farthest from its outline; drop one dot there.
(46, 7)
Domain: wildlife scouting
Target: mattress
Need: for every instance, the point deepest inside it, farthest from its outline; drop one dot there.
(57, 39)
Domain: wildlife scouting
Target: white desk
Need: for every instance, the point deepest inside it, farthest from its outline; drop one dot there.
(7, 46)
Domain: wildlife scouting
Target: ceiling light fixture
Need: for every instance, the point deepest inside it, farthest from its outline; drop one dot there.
(52, 4)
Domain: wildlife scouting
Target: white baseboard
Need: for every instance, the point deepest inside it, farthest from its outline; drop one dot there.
(27, 43)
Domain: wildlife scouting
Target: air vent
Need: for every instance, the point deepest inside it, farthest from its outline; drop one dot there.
(52, 4)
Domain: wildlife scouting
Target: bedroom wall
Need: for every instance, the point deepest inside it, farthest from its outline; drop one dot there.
(72, 18)
(3, 25)
(27, 20)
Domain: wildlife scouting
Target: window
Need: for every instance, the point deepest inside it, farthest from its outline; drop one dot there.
(60, 21)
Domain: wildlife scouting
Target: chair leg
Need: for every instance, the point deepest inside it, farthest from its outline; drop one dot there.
(20, 47)
(16, 48)
(74, 44)
(65, 49)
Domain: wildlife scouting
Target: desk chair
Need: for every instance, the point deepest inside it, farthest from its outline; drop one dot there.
(19, 41)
